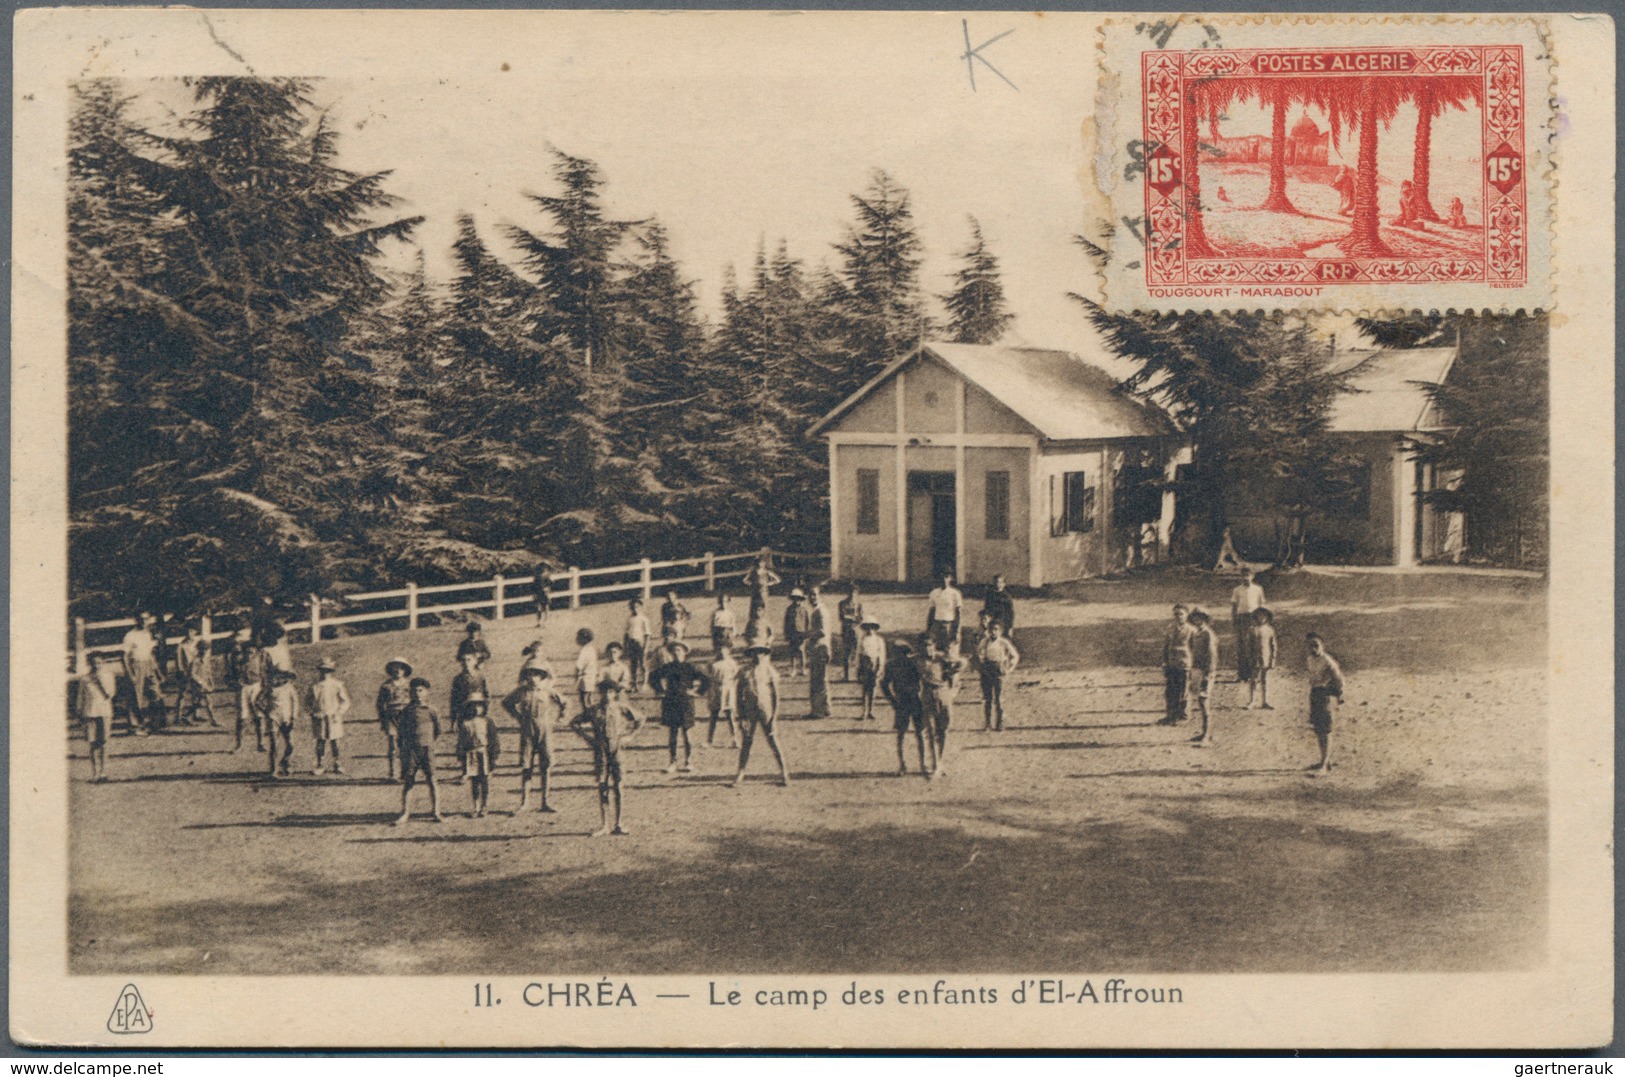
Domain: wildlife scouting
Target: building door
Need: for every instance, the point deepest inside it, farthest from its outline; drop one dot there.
(932, 525)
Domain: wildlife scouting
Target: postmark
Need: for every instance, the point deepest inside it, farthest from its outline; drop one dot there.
(1327, 164)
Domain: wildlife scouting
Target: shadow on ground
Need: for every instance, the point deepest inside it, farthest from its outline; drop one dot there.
(1206, 884)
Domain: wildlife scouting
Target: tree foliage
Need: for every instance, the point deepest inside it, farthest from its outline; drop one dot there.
(977, 312)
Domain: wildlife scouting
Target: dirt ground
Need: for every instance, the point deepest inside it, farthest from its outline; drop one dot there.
(1085, 837)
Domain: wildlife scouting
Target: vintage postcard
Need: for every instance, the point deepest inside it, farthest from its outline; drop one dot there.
(822, 529)
(1316, 164)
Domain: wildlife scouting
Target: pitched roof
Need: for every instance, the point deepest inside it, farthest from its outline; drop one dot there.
(1059, 395)
(1386, 391)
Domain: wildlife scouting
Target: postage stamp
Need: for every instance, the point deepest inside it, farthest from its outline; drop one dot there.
(1328, 165)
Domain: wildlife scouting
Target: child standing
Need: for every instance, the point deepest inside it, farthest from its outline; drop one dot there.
(474, 644)
(468, 689)
(93, 706)
(849, 611)
(480, 734)
(1176, 668)
(905, 691)
(674, 618)
(329, 703)
(537, 706)
(871, 666)
(818, 658)
(1325, 695)
(394, 696)
(196, 677)
(419, 728)
(140, 655)
(940, 677)
(282, 710)
(997, 658)
(1204, 666)
(724, 695)
(1246, 598)
(797, 624)
(759, 709)
(614, 667)
(247, 672)
(678, 681)
(1261, 641)
(637, 643)
(586, 669)
(608, 727)
(722, 625)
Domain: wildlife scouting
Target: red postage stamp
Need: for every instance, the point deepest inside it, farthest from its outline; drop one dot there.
(1310, 172)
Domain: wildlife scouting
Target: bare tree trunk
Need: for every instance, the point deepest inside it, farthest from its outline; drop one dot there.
(1363, 238)
(1277, 199)
(1196, 244)
(1421, 168)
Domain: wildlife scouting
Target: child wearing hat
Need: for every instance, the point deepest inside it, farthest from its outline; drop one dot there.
(282, 710)
(329, 703)
(93, 696)
(537, 706)
(797, 626)
(677, 682)
(419, 728)
(1204, 664)
(608, 726)
(482, 749)
(871, 650)
(905, 691)
(1262, 644)
(394, 696)
(467, 688)
(473, 643)
(724, 700)
(758, 688)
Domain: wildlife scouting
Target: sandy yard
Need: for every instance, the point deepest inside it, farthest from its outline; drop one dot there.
(1084, 838)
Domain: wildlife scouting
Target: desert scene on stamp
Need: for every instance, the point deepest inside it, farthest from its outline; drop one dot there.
(476, 565)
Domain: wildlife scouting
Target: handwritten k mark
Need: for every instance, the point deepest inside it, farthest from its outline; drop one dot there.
(972, 56)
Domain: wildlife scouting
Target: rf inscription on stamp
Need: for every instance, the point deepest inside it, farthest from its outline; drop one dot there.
(1234, 195)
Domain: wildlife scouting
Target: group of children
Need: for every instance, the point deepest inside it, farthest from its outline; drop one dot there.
(920, 680)
(1190, 662)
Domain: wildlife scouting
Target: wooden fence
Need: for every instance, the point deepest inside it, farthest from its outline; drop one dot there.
(411, 604)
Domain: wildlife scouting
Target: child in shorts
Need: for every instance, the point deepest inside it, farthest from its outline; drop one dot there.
(1204, 667)
(536, 705)
(724, 699)
(419, 728)
(282, 710)
(636, 638)
(329, 703)
(871, 652)
(614, 667)
(904, 690)
(468, 688)
(394, 696)
(586, 669)
(93, 706)
(608, 726)
(997, 658)
(1261, 644)
(196, 677)
(1325, 695)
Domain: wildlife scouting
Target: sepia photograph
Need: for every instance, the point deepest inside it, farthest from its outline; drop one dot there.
(671, 504)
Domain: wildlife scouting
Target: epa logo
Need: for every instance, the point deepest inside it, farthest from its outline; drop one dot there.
(129, 1014)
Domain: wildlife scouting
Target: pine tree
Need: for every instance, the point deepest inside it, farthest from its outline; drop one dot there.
(879, 271)
(251, 424)
(977, 313)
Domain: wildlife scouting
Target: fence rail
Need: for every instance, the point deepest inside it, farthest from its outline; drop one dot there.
(324, 614)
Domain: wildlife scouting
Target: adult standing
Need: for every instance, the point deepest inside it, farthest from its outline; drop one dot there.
(1000, 607)
(945, 607)
(140, 649)
(1247, 597)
